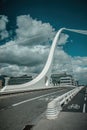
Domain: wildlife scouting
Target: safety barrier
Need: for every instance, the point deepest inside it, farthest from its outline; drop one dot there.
(55, 106)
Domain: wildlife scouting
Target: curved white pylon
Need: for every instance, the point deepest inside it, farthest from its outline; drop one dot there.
(78, 31)
(43, 79)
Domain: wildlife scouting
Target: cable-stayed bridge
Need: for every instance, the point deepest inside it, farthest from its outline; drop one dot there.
(42, 81)
(47, 108)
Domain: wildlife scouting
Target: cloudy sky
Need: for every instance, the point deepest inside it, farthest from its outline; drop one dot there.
(27, 29)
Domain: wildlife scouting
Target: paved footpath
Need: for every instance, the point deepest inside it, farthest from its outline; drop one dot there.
(65, 121)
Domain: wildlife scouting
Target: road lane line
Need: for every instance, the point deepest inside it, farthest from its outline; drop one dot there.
(19, 103)
(84, 98)
(84, 108)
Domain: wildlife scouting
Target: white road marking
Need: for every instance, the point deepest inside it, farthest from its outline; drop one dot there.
(84, 98)
(84, 108)
(74, 106)
(28, 100)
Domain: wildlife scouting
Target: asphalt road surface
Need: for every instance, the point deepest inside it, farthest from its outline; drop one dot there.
(18, 110)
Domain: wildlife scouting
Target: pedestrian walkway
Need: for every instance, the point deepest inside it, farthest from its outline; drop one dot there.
(65, 121)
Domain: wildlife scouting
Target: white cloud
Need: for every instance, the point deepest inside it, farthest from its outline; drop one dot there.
(63, 39)
(31, 45)
(18, 70)
(31, 28)
(80, 68)
(81, 61)
(62, 62)
(3, 32)
(3, 21)
(18, 58)
(23, 55)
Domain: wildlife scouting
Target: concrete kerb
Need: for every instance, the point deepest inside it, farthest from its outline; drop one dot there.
(55, 106)
(53, 110)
